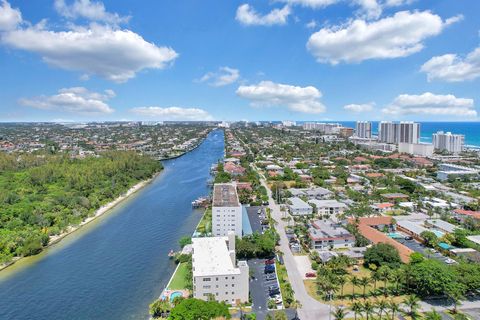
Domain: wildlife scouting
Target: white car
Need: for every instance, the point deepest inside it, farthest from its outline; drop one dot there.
(450, 261)
(277, 299)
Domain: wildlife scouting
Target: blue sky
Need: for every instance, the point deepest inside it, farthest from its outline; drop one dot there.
(84, 60)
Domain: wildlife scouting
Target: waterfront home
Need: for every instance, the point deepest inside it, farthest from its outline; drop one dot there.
(216, 273)
(226, 210)
(298, 207)
(326, 234)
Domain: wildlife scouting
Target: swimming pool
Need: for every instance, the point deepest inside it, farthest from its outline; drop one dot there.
(175, 294)
(395, 235)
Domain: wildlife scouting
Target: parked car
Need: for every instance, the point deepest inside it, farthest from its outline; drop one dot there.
(270, 268)
(273, 292)
(271, 276)
(273, 287)
(450, 261)
(270, 261)
(408, 238)
(259, 211)
(310, 274)
(277, 299)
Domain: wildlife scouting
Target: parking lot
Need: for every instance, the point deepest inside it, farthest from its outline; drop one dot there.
(256, 219)
(419, 247)
(259, 287)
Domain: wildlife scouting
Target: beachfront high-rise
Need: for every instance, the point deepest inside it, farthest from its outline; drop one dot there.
(363, 129)
(216, 273)
(453, 143)
(226, 210)
(403, 132)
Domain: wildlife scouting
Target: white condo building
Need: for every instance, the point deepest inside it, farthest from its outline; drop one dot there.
(447, 141)
(216, 272)
(403, 132)
(226, 210)
(363, 129)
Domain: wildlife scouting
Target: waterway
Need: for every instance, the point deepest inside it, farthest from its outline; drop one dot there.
(115, 266)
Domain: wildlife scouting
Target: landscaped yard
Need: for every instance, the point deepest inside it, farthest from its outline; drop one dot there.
(311, 287)
(205, 225)
(179, 280)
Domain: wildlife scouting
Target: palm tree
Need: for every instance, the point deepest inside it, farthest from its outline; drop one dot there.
(339, 313)
(394, 307)
(364, 282)
(384, 275)
(355, 282)
(341, 280)
(357, 308)
(397, 276)
(412, 302)
(432, 315)
(368, 309)
(375, 277)
(382, 306)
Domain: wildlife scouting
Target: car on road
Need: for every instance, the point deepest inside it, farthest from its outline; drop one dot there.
(310, 275)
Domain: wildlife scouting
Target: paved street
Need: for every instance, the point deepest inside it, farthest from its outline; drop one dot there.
(310, 308)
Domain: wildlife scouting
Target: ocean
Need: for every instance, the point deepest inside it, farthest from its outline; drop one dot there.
(471, 130)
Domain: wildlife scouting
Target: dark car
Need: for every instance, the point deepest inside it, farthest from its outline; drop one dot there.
(273, 292)
(408, 238)
(271, 276)
(269, 268)
(270, 261)
(272, 287)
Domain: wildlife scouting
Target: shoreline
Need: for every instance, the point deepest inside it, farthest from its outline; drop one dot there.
(106, 208)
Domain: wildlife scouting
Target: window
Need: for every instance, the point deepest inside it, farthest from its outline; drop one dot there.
(206, 287)
(207, 279)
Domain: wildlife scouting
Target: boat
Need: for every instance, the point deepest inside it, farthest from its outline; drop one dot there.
(200, 202)
(171, 254)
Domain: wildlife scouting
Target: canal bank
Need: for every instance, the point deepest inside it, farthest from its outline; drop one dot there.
(114, 267)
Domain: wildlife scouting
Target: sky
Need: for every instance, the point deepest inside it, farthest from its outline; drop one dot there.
(227, 60)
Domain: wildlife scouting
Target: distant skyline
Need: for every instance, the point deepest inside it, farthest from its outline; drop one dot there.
(303, 60)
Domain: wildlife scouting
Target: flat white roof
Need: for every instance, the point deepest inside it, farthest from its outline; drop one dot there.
(327, 203)
(211, 257)
(298, 203)
(442, 225)
(475, 239)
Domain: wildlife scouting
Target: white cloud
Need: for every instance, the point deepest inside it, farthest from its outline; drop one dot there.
(431, 104)
(453, 68)
(76, 100)
(116, 55)
(9, 18)
(365, 107)
(295, 98)
(224, 76)
(396, 36)
(311, 25)
(173, 113)
(315, 4)
(247, 15)
(91, 10)
(372, 9)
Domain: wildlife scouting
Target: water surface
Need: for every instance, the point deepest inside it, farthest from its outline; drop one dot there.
(115, 266)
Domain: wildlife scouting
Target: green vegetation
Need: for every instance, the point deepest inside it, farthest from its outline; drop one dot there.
(382, 254)
(181, 277)
(184, 241)
(285, 286)
(205, 225)
(43, 195)
(257, 245)
(195, 309)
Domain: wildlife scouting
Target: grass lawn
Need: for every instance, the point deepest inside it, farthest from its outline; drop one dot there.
(179, 280)
(311, 287)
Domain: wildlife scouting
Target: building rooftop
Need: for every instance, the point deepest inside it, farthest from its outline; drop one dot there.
(328, 230)
(327, 203)
(298, 203)
(225, 195)
(442, 225)
(212, 257)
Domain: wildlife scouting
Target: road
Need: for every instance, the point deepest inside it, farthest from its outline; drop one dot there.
(310, 308)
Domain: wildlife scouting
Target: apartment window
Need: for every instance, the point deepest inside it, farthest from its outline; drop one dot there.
(207, 279)
(226, 278)
(233, 285)
(206, 294)
(226, 292)
(233, 278)
(206, 287)
(216, 278)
